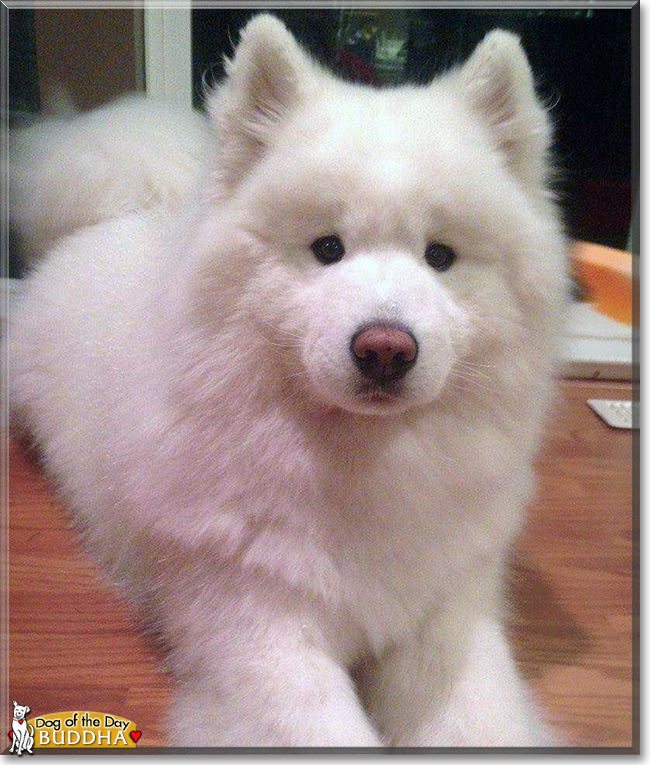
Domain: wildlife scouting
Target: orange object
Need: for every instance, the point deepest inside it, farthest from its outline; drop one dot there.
(607, 276)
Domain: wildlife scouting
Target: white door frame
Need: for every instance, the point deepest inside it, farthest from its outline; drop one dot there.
(168, 53)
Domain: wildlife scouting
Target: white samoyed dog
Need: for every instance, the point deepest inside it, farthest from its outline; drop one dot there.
(296, 416)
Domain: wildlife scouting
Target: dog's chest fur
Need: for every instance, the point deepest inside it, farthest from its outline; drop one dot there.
(377, 523)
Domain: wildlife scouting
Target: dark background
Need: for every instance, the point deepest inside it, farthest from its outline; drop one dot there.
(582, 65)
(581, 59)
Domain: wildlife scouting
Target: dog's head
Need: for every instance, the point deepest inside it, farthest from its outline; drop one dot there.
(19, 711)
(382, 243)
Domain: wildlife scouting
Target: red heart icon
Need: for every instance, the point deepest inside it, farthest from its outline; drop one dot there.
(11, 734)
(135, 735)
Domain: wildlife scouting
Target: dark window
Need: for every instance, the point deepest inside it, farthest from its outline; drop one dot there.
(581, 60)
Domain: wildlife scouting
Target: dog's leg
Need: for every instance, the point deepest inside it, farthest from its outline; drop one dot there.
(455, 682)
(254, 669)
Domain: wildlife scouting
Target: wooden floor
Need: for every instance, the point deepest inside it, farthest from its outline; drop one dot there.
(74, 645)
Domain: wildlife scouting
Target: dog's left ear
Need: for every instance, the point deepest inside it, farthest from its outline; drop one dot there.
(263, 84)
(27, 709)
(497, 83)
(15, 703)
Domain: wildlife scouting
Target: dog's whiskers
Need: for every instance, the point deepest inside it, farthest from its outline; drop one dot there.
(471, 370)
(296, 374)
(281, 330)
(475, 383)
(276, 345)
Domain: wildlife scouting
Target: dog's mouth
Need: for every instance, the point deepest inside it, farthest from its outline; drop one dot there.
(380, 394)
(361, 396)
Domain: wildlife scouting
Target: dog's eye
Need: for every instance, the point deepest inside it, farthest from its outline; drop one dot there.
(439, 256)
(328, 249)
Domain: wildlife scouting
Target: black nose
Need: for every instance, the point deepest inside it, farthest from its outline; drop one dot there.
(384, 353)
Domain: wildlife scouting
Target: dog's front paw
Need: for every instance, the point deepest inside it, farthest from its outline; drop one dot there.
(520, 734)
(205, 719)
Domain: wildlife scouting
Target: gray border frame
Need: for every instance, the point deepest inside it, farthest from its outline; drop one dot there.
(631, 5)
(4, 403)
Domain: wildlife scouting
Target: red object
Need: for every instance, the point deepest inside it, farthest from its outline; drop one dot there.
(358, 68)
(135, 735)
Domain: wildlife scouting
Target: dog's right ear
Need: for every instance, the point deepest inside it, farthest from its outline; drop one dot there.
(15, 703)
(264, 82)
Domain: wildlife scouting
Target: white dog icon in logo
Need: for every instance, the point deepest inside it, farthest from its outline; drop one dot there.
(22, 734)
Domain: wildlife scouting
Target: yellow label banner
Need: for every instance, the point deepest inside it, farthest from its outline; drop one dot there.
(83, 730)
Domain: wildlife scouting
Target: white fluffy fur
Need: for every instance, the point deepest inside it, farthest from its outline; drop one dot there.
(188, 378)
(71, 171)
